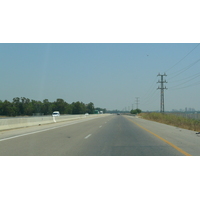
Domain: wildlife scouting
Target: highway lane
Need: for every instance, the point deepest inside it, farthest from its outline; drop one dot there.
(120, 137)
(106, 136)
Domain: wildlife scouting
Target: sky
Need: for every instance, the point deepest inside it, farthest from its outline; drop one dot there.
(107, 52)
(111, 75)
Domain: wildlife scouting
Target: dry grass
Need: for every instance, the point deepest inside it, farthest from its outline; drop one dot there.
(170, 119)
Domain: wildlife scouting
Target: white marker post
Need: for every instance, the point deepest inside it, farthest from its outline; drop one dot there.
(54, 119)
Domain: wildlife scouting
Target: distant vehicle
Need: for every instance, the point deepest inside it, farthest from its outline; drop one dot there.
(96, 112)
(56, 114)
(118, 113)
(101, 112)
(86, 114)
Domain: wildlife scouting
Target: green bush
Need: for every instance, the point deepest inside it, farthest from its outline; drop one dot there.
(136, 111)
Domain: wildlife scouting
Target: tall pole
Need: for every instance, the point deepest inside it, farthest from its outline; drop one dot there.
(162, 88)
(137, 101)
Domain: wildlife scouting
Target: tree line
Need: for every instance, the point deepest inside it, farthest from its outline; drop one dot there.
(24, 106)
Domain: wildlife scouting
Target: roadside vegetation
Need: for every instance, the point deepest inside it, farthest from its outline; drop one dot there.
(173, 120)
(136, 111)
(24, 106)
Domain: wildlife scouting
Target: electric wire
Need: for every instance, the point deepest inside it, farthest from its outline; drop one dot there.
(186, 81)
(150, 95)
(151, 99)
(147, 99)
(183, 58)
(144, 100)
(193, 84)
(149, 90)
(184, 69)
(193, 76)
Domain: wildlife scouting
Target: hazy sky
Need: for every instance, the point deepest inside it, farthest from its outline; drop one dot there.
(105, 52)
(111, 75)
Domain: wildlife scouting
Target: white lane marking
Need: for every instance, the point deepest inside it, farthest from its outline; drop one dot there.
(24, 134)
(12, 137)
(88, 136)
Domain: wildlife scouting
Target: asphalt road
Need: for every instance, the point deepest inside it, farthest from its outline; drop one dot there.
(113, 135)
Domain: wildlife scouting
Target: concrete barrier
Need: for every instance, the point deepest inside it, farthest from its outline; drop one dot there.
(20, 122)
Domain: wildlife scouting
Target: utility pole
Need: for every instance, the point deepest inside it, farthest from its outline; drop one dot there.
(162, 88)
(137, 102)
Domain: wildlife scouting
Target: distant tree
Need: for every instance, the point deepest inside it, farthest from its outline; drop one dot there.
(136, 111)
(68, 108)
(90, 108)
(22, 106)
(37, 105)
(17, 104)
(46, 107)
(25, 106)
(133, 112)
(83, 108)
(8, 109)
(61, 106)
(1, 107)
(78, 108)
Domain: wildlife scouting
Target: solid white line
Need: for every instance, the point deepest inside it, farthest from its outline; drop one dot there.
(30, 133)
(88, 136)
(71, 123)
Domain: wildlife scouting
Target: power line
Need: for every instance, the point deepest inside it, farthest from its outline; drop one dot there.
(150, 90)
(193, 84)
(143, 101)
(193, 76)
(184, 69)
(183, 58)
(186, 81)
(147, 97)
(150, 99)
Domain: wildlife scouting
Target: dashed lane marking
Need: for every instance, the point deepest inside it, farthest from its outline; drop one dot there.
(88, 136)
